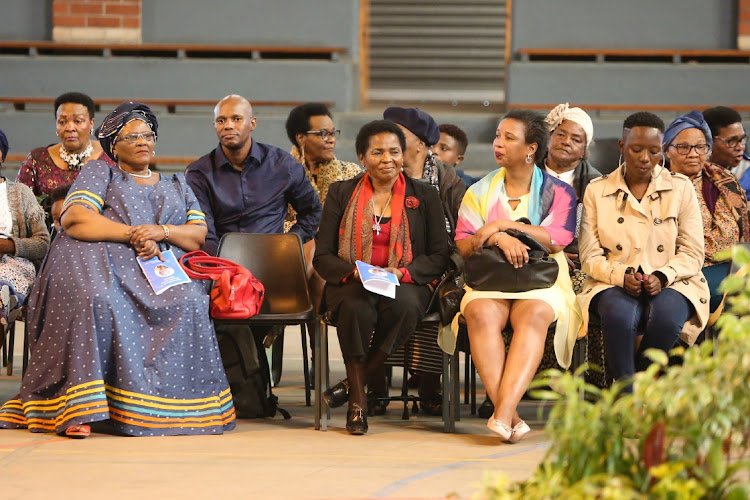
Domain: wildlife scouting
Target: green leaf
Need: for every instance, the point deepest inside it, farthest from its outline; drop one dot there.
(657, 356)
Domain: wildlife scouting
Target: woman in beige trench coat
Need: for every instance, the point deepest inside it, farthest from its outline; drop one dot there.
(641, 244)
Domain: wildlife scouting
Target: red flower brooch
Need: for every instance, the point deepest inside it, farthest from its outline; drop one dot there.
(411, 202)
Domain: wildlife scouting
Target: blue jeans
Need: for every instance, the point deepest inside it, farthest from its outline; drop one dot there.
(715, 274)
(660, 319)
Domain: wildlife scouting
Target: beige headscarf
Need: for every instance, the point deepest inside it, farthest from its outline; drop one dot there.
(565, 112)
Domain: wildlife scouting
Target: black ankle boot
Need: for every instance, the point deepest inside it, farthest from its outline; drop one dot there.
(356, 420)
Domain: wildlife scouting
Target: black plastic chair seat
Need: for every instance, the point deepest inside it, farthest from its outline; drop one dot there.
(278, 261)
(274, 318)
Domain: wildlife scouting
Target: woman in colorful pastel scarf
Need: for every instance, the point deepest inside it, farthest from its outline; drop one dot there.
(518, 189)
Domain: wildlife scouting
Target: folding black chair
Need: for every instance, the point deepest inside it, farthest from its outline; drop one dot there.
(277, 260)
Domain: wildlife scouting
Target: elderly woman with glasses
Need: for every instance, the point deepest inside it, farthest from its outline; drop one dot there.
(106, 345)
(311, 130)
(687, 142)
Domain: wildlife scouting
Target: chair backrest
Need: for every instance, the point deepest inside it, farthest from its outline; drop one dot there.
(604, 155)
(277, 260)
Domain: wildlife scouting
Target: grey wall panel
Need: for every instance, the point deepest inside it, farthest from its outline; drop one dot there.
(251, 22)
(179, 79)
(179, 135)
(628, 83)
(637, 24)
(26, 20)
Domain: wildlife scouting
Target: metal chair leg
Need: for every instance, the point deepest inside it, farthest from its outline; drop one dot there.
(317, 358)
(456, 379)
(26, 353)
(326, 369)
(320, 364)
(473, 388)
(305, 365)
(404, 384)
(467, 375)
(4, 347)
(11, 346)
(449, 423)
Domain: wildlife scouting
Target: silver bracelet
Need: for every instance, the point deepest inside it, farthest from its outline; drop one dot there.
(497, 237)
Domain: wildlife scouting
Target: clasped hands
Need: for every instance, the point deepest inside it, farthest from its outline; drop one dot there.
(636, 283)
(145, 239)
(515, 252)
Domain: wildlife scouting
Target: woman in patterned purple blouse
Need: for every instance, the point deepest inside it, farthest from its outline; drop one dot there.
(48, 167)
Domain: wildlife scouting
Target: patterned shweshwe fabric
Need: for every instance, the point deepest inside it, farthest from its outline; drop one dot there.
(104, 345)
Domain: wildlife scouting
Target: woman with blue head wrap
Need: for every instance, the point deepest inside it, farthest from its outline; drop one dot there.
(687, 143)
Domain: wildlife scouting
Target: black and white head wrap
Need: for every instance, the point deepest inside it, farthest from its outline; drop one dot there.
(122, 115)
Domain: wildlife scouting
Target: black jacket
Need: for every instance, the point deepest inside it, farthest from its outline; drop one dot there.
(426, 225)
(452, 190)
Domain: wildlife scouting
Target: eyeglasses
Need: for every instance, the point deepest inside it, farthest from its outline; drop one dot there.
(684, 149)
(325, 134)
(133, 138)
(734, 141)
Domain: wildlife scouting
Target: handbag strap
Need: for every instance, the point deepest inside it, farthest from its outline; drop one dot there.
(200, 265)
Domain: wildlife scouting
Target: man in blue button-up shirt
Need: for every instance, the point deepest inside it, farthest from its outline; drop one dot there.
(245, 186)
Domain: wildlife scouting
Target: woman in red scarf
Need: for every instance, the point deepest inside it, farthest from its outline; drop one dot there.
(389, 220)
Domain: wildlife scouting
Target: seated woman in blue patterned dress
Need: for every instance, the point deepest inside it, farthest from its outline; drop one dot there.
(104, 345)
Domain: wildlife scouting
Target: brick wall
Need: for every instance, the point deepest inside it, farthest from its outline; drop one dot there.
(743, 25)
(96, 21)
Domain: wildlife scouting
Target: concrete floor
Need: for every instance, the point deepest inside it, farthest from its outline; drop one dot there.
(270, 459)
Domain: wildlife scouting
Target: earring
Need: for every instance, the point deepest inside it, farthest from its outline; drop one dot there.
(528, 158)
(153, 153)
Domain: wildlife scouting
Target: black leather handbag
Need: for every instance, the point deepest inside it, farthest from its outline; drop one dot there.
(488, 270)
(449, 292)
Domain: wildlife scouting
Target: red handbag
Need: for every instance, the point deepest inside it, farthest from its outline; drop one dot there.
(236, 294)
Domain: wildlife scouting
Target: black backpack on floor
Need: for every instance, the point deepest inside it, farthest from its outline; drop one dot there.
(246, 366)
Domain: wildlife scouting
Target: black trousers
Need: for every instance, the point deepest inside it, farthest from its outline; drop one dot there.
(366, 320)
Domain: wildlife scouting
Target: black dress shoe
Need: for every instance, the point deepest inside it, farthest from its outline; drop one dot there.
(337, 395)
(356, 421)
(486, 409)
